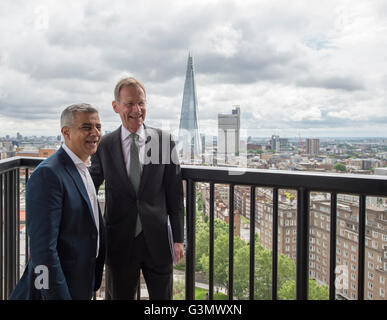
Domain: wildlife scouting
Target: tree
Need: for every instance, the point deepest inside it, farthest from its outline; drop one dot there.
(203, 237)
(199, 201)
(178, 290)
(340, 167)
(241, 273)
(315, 292)
(221, 258)
(262, 274)
(202, 242)
(263, 265)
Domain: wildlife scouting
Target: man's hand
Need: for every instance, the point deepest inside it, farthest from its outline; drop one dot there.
(179, 251)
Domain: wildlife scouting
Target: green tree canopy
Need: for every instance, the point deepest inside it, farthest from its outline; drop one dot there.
(340, 167)
(315, 292)
(262, 263)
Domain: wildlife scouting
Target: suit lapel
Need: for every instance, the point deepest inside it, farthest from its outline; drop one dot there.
(119, 161)
(73, 172)
(152, 144)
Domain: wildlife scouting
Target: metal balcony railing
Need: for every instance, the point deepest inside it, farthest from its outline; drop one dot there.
(304, 183)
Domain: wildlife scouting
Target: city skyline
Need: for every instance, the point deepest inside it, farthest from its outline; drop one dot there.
(310, 70)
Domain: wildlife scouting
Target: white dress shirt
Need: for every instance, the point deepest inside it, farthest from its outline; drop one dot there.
(126, 142)
(89, 185)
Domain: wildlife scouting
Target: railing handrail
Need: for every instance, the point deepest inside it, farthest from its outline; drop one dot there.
(370, 185)
(19, 162)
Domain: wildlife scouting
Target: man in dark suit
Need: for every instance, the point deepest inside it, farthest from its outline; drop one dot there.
(144, 196)
(64, 222)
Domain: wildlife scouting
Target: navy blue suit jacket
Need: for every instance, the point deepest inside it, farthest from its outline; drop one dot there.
(63, 234)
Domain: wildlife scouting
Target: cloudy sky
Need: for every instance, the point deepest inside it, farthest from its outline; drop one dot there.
(296, 68)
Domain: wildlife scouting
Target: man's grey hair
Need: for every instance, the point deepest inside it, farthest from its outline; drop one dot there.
(67, 116)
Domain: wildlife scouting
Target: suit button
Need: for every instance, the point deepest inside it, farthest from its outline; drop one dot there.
(93, 236)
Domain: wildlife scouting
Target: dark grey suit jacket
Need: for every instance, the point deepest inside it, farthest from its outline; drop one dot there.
(160, 196)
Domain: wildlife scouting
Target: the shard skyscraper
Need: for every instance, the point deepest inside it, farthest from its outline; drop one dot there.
(189, 138)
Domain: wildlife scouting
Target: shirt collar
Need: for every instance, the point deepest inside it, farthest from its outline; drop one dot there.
(78, 162)
(125, 133)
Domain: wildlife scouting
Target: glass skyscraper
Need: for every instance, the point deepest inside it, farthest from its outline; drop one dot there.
(189, 138)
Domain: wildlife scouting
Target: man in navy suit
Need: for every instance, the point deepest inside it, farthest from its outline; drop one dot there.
(64, 222)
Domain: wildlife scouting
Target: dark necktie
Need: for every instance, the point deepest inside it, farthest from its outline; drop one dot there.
(135, 173)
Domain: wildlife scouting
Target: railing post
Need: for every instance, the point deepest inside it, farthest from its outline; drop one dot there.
(16, 177)
(27, 252)
(333, 228)
(190, 259)
(275, 245)
(211, 244)
(361, 255)
(10, 233)
(302, 244)
(231, 244)
(1, 239)
(252, 243)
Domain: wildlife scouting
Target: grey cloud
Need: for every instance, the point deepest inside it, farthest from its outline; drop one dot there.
(89, 44)
(28, 112)
(245, 67)
(158, 51)
(333, 82)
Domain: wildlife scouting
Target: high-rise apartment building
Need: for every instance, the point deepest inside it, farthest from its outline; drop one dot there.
(375, 285)
(284, 144)
(275, 143)
(312, 146)
(229, 135)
